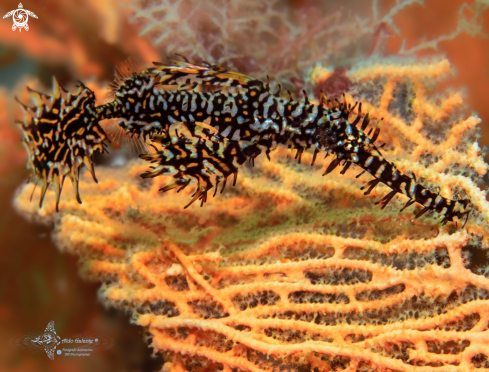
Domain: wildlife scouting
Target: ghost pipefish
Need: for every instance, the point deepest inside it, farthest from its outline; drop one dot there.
(244, 118)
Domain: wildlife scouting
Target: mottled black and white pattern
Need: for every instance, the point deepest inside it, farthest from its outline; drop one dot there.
(230, 118)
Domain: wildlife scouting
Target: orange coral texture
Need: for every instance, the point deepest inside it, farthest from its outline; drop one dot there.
(291, 271)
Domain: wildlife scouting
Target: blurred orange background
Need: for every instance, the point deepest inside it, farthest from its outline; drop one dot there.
(85, 40)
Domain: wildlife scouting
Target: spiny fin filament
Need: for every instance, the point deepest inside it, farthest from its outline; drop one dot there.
(375, 135)
(423, 211)
(371, 184)
(316, 151)
(386, 199)
(332, 166)
(408, 203)
(345, 168)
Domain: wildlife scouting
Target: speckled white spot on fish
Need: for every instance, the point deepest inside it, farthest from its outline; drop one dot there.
(193, 103)
(210, 106)
(230, 107)
(280, 107)
(191, 148)
(310, 118)
(185, 103)
(267, 105)
(236, 136)
(146, 87)
(369, 161)
(220, 151)
(226, 131)
(170, 98)
(203, 99)
(284, 125)
(260, 127)
(234, 109)
(241, 120)
(412, 190)
(136, 108)
(190, 116)
(168, 154)
(151, 102)
(161, 99)
(298, 110)
(171, 120)
(263, 96)
(379, 171)
(235, 162)
(255, 104)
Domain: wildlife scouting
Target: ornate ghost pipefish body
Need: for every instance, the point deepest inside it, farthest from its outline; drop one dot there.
(62, 131)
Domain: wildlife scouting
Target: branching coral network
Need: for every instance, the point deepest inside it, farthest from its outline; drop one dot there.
(296, 303)
(286, 41)
(287, 271)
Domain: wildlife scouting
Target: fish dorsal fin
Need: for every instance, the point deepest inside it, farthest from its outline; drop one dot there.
(123, 71)
(175, 71)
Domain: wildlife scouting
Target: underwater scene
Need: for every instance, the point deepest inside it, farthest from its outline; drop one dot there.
(259, 186)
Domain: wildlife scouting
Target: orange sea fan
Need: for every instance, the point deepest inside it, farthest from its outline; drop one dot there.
(291, 270)
(258, 279)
